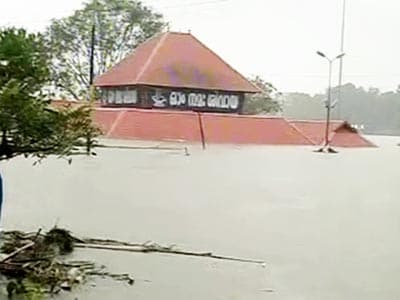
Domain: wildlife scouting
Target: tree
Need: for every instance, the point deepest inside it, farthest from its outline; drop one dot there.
(303, 106)
(372, 110)
(265, 102)
(118, 27)
(29, 126)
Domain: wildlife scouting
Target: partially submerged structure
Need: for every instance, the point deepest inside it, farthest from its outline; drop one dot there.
(173, 87)
(188, 126)
(342, 134)
(169, 125)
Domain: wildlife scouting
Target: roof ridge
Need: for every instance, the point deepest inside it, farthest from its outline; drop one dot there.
(371, 144)
(130, 54)
(243, 116)
(301, 132)
(179, 32)
(315, 121)
(151, 57)
(223, 61)
(116, 122)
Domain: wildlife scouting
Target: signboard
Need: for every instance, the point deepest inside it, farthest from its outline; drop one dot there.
(196, 100)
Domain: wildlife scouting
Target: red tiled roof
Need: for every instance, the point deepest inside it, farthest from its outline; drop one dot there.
(234, 129)
(144, 124)
(344, 137)
(315, 130)
(184, 125)
(176, 60)
(105, 119)
(155, 125)
(341, 134)
(158, 125)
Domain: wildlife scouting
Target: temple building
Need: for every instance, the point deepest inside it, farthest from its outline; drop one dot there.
(174, 71)
(174, 88)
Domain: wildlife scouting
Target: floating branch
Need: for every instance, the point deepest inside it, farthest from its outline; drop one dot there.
(113, 245)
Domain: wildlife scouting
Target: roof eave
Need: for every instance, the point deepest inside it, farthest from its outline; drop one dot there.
(123, 84)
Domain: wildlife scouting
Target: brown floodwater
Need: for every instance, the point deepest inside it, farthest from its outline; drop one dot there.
(328, 226)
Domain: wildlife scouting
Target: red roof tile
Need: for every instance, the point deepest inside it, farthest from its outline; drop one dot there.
(344, 137)
(105, 119)
(315, 130)
(176, 60)
(235, 129)
(164, 125)
(184, 125)
(341, 134)
(156, 126)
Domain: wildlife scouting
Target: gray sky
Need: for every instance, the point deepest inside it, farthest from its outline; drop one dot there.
(275, 39)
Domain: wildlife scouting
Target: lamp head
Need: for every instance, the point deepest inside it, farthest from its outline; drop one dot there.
(340, 55)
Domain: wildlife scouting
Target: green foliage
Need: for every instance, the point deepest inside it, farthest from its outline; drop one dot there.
(23, 58)
(120, 25)
(33, 291)
(24, 290)
(303, 106)
(265, 102)
(376, 112)
(28, 125)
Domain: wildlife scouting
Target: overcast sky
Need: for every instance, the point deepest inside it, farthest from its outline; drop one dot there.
(275, 39)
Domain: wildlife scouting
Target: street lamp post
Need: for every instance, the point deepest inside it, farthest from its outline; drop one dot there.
(326, 146)
(3, 63)
(339, 108)
(91, 58)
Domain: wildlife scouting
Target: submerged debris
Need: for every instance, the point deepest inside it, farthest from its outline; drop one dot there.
(112, 245)
(37, 263)
(61, 239)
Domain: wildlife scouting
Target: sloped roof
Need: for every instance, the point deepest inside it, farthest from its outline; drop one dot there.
(257, 130)
(315, 130)
(142, 124)
(341, 134)
(344, 137)
(184, 125)
(179, 60)
(151, 125)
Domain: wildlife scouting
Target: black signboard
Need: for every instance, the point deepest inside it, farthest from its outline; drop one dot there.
(195, 100)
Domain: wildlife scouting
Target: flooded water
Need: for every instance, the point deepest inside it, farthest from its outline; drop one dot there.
(328, 226)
